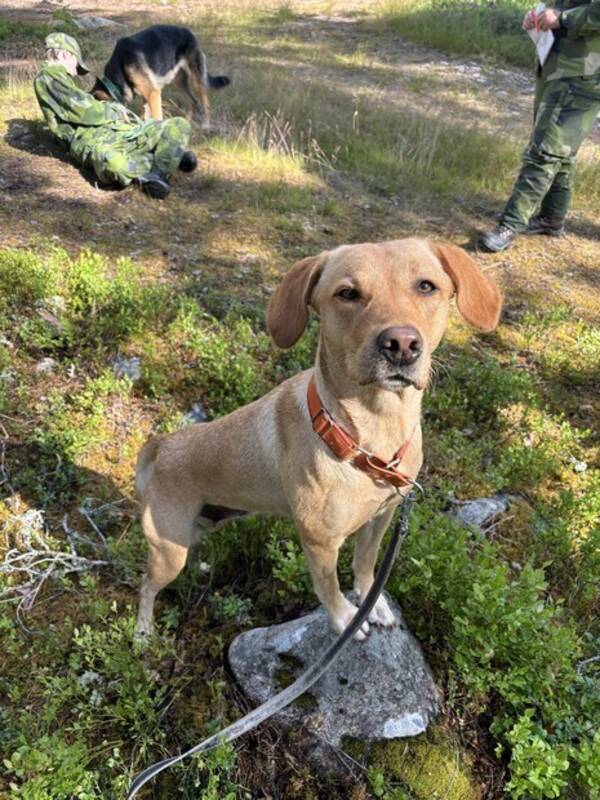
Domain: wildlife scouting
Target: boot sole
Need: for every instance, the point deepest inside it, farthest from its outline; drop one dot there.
(546, 232)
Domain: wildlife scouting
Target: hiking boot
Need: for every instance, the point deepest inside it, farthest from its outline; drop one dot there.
(500, 238)
(545, 225)
(155, 185)
(188, 162)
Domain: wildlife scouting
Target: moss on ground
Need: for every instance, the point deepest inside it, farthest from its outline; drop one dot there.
(431, 770)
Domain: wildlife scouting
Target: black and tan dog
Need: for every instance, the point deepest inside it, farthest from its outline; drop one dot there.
(144, 63)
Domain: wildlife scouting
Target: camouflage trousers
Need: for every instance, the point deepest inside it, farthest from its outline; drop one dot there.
(564, 113)
(124, 151)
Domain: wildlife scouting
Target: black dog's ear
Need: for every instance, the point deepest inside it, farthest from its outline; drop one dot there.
(477, 296)
(287, 312)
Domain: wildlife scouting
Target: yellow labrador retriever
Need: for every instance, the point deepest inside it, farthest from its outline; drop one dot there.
(383, 309)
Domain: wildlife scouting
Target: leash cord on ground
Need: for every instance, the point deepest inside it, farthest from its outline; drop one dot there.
(308, 678)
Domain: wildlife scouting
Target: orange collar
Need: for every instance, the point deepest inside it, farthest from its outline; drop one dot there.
(344, 447)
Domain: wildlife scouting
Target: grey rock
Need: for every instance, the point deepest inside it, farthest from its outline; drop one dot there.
(197, 413)
(481, 511)
(89, 23)
(45, 365)
(380, 688)
(127, 367)
(578, 466)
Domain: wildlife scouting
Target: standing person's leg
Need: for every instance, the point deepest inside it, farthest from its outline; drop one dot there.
(567, 108)
(577, 119)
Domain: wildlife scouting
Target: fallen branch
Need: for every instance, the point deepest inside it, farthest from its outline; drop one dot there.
(37, 557)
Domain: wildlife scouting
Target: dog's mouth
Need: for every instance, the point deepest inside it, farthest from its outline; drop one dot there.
(398, 379)
(393, 382)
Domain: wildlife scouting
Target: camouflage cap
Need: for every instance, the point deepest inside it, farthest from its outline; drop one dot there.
(62, 41)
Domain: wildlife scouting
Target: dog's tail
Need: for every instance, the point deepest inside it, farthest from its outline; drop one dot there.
(145, 464)
(198, 61)
(218, 81)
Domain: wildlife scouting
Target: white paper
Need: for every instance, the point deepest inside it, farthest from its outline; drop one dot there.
(543, 40)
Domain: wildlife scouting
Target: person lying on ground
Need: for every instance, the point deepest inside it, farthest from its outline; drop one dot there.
(567, 102)
(106, 136)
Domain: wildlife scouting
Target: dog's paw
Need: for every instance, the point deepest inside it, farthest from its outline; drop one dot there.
(381, 614)
(344, 616)
(143, 631)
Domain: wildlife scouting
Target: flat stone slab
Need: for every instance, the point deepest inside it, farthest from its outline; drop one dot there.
(380, 688)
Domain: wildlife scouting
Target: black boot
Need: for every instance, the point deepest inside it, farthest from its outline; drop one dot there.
(500, 238)
(545, 225)
(188, 162)
(155, 185)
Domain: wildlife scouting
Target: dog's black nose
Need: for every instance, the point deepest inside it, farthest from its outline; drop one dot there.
(400, 345)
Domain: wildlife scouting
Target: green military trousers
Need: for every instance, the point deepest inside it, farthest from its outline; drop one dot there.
(564, 112)
(121, 152)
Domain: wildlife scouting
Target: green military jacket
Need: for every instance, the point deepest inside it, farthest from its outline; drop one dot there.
(576, 50)
(71, 111)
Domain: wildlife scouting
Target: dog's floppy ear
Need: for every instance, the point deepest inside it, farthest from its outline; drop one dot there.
(287, 312)
(477, 296)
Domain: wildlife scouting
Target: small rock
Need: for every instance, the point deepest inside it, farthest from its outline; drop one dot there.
(45, 365)
(379, 688)
(51, 319)
(127, 367)
(89, 677)
(480, 512)
(197, 413)
(578, 466)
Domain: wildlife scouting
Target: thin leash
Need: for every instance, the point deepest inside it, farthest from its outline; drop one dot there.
(310, 676)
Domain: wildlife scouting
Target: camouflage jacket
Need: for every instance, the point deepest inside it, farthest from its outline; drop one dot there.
(70, 110)
(576, 50)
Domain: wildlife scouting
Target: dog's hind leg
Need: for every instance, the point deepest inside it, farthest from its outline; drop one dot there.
(182, 82)
(166, 558)
(198, 84)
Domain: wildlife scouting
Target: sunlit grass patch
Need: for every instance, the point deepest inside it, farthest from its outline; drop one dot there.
(462, 26)
(16, 95)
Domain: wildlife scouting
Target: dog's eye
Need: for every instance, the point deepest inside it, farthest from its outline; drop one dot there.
(426, 287)
(348, 294)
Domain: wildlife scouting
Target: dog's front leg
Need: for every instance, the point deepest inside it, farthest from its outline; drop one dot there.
(322, 559)
(366, 547)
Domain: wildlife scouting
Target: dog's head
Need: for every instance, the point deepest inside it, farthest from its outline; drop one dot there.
(383, 307)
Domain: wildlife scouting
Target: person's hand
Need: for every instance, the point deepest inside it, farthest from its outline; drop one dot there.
(529, 21)
(549, 19)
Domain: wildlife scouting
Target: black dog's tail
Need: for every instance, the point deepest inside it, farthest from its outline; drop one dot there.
(198, 60)
(218, 81)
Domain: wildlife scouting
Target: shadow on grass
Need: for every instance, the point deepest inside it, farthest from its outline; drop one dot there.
(31, 136)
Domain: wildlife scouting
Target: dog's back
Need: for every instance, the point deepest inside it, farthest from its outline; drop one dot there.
(155, 57)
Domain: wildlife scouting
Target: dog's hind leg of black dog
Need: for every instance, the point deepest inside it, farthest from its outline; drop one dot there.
(195, 81)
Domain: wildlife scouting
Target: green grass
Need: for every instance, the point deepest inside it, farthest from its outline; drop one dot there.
(28, 32)
(469, 27)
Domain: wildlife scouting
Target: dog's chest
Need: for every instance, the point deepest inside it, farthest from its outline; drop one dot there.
(166, 78)
(343, 498)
